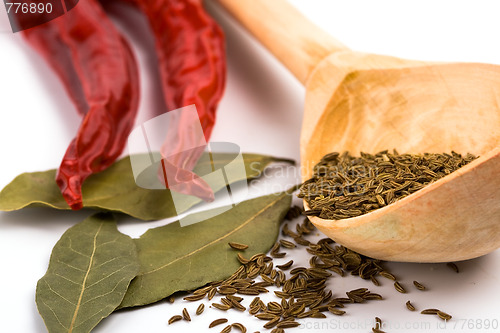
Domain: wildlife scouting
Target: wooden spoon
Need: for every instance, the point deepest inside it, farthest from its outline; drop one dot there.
(365, 102)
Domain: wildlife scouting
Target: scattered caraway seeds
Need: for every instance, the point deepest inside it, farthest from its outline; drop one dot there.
(294, 212)
(285, 266)
(387, 275)
(303, 293)
(211, 293)
(185, 315)
(257, 221)
(277, 330)
(378, 325)
(437, 312)
(287, 244)
(222, 307)
(239, 326)
(238, 246)
(171, 299)
(226, 329)
(266, 316)
(288, 324)
(453, 267)
(399, 287)
(272, 322)
(317, 315)
(419, 286)
(344, 186)
(410, 306)
(174, 319)
(242, 259)
(444, 315)
(194, 297)
(200, 309)
(217, 322)
(335, 311)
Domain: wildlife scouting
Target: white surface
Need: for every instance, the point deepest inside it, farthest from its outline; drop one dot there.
(261, 111)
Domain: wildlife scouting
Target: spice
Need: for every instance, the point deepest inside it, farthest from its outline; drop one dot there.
(200, 309)
(194, 297)
(453, 267)
(410, 306)
(240, 327)
(378, 325)
(303, 292)
(185, 315)
(96, 65)
(344, 186)
(285, 266)
(222, 307)
(399, 287)
(444, 315)
(100, 74)
(190, 48)
(238, 246)
(419, 286)
(226, 329)
(217, 322)
(293, 213)
(174, 319)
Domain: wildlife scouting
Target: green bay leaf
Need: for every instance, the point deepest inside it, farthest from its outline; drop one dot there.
(175, 258)
(115, 189)
(89, 272)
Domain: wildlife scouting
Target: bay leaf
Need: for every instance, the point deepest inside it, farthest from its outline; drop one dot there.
(175, 258)
(115, 189)
(89, 272)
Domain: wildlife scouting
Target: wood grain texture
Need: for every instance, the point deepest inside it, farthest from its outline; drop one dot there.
(365, 102)
(299, 44)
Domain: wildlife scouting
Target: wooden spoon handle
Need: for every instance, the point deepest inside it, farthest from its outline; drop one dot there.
(294, 40)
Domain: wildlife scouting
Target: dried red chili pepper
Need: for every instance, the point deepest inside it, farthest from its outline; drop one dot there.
(100, 74)
(191, 52)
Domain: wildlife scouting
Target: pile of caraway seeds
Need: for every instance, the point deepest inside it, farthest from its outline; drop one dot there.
(342, 186)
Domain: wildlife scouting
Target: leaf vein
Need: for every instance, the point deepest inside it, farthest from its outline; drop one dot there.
(108, 242)
(55, 315)
(67, 279)
(214, 241)
(71, 266)
(77, 252)
(72, 325)
(108, 261)
(107, 276)
(55, 292)
(105, 294)
(95, 314)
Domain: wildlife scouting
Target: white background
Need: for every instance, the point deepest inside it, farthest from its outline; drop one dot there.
(261, 111)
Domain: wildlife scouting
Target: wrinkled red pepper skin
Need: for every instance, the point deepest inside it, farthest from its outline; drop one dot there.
(190, 47)
(101, 76)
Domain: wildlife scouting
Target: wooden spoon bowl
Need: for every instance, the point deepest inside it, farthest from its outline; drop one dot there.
(364, 102)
